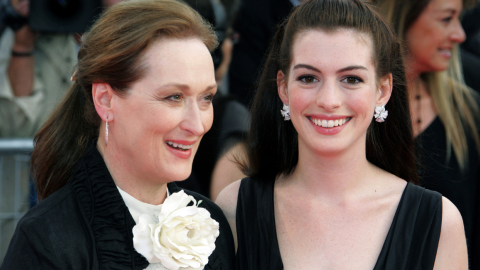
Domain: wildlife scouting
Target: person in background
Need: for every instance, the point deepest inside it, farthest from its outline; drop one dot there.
(328, 187)
(444, 111)
(35, 70)
(470, 49)
(105, 161)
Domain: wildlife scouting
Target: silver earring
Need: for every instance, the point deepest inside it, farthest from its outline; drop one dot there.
(106, 133)
(380, 114)
(285, 112)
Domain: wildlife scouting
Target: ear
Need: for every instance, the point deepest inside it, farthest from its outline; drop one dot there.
(102, 94)
(282, 87)
(385, 90)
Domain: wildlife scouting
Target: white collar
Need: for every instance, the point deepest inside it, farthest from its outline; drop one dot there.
(137, 207)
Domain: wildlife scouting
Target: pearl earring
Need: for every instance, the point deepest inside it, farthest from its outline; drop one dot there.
(380, 114)
(285, 112)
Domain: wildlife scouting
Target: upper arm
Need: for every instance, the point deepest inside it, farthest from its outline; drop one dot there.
(452, 246)
(227, 201)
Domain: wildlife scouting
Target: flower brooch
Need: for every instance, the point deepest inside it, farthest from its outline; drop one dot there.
(180, 237)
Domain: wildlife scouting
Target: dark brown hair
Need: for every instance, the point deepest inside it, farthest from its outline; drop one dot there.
(111, 52)
(272, 147)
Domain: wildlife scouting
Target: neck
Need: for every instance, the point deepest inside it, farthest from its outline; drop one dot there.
(337, 177)
(126, 180)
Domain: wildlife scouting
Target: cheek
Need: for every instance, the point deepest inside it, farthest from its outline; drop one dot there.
(207, 119)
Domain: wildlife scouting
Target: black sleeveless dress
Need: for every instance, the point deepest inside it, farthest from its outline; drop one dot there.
(411, 242)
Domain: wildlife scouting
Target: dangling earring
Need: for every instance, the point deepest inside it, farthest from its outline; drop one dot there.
(380, 114)
(106, 133)
(285, 112)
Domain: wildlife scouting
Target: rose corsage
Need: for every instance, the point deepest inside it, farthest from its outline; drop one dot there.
(180, 237)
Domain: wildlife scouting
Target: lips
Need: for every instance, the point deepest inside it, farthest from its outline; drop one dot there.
(447, 53)
(329, 123)
(181, 149)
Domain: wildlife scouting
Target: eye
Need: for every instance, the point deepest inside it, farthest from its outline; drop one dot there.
(208, 98)
(352, 80)
(307, 79)
(176, 97)
(447, 20)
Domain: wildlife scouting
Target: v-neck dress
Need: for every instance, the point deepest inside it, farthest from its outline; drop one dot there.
(411, 242)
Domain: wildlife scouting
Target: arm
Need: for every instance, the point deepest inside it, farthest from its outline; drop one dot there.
(227, 201)
(452, 246)
(20, 69)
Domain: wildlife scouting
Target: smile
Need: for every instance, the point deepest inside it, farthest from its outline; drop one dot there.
(179, 146)
(329, 123)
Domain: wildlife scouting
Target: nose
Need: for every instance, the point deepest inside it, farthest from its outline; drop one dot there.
(192, 120)
(329, 96)
(458, 34)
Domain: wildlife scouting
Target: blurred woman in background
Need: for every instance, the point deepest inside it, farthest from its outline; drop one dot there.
(444, 111)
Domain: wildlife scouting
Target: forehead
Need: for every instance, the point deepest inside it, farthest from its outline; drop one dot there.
(333, 49)
(443, 5)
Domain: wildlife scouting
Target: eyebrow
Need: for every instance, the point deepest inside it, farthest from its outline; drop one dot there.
(185, 87)
(341, 70)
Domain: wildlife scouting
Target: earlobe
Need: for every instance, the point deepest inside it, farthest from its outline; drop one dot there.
(385, 90)
(102, 94)
(282, 87)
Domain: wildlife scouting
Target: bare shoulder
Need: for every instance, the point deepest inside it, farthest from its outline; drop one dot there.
(227, 201)
(452, 246)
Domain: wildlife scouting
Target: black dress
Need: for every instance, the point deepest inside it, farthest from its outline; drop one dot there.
(86, 225)
(411, 242)
(462, 188)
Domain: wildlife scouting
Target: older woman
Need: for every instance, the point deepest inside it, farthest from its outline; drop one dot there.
(444, 112)
(330, 188)
(128, 127)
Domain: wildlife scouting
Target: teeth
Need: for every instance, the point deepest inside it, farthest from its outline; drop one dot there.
(180, 146)
(329, 123)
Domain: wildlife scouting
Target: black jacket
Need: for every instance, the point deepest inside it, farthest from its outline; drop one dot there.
(86, 225)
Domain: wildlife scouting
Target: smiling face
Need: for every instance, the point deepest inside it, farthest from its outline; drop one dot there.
(431, 38)
(332, 90)
(158, 126)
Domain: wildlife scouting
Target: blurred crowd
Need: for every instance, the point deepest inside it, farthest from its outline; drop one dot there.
(37, 61)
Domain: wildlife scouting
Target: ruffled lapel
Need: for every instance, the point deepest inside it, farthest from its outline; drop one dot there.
(106, 213)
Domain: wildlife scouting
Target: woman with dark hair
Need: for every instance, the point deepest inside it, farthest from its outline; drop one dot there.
(445, 112)
(105, 161)
(329, 188)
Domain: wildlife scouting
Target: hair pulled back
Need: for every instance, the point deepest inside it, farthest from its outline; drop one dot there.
(272, 147)
(111, 52)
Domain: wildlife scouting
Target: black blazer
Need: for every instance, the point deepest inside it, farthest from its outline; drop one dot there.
(86, 225)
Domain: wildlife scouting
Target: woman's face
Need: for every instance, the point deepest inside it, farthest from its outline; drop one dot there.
(157, 128)
(432, 37)
(332, 90)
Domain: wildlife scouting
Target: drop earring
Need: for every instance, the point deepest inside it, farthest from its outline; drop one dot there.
(380, 114)
(106, 132)
(285, 112)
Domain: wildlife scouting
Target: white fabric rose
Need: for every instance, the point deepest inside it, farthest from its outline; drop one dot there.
(180, 237)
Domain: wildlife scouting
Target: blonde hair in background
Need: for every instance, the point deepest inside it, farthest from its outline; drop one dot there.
(454, 101)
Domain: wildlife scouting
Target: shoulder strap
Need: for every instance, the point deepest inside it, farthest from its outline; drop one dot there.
(413, 237)
(255, 220)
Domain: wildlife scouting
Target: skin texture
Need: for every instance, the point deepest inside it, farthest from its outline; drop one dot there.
(343, 204)
(171, 103)
(433, 35)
